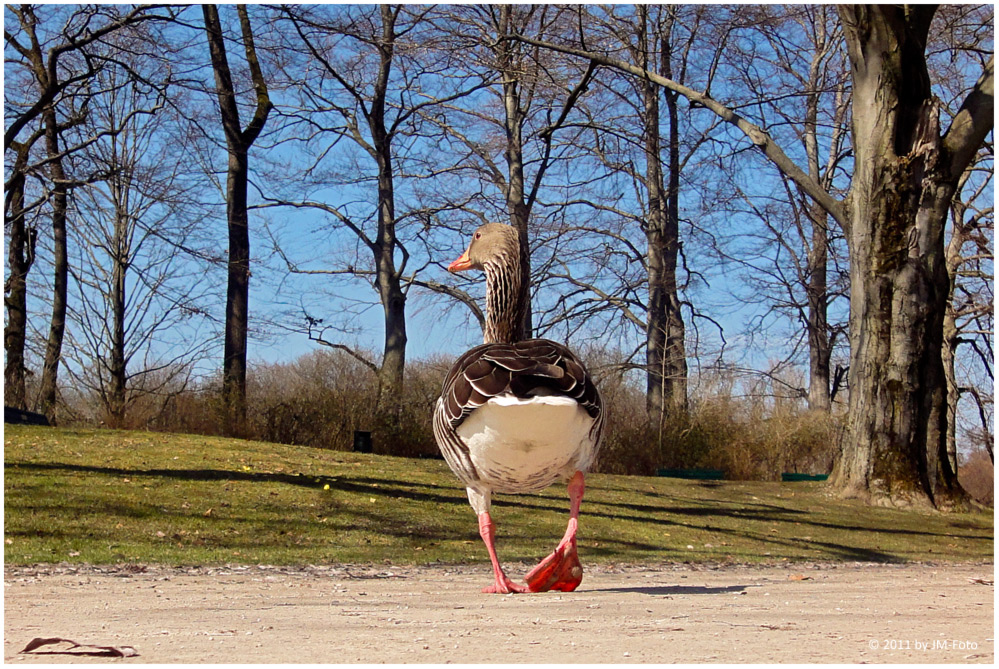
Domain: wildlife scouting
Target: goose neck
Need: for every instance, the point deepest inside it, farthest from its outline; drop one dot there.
(504, 317)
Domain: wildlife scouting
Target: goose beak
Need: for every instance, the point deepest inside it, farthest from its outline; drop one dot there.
(461, 264)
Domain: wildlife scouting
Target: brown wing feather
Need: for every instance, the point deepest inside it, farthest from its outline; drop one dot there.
(522, 369)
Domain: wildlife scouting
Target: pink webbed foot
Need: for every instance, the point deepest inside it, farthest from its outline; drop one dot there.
(562, 570)
(559, 571)
(501, 583)
(504, 586)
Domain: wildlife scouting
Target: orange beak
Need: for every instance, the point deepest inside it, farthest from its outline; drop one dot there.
(462, 263)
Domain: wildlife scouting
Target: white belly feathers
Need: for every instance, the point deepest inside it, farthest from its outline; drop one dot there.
(525, 445)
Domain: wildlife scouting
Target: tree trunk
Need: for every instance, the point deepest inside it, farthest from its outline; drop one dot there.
(816, 286)
(393, 367)
(675, 355)
(57, 325)
(20, 256)
(816, 291)
(237, 294)
(895, 449)
(393, 299)
(516, 195)
(118, 298)
(665, 352)
(238, 143)
(951, 335)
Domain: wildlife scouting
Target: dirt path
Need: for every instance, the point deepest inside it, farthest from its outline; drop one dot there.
(813, 613)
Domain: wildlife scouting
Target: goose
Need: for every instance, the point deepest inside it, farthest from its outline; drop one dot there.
(516, 416)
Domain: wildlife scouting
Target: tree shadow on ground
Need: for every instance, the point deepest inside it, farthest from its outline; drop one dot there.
(747, 512)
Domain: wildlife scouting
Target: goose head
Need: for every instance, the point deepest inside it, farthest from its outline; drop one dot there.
(493, 245)
(495, 249)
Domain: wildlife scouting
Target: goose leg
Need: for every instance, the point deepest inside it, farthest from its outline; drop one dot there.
(562, 570)
(502, 584)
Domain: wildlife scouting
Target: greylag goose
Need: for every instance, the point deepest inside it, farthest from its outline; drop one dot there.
(516, 416)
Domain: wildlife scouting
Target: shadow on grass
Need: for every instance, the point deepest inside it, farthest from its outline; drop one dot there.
(746, 513)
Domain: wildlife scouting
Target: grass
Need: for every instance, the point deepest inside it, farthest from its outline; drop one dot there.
(98, 496)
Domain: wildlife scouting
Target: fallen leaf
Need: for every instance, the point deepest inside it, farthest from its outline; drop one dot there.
(799, 577)
(80, 648)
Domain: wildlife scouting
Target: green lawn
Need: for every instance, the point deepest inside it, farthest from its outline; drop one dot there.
(102, 496)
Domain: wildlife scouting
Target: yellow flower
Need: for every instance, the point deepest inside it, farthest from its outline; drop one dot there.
(326, 487)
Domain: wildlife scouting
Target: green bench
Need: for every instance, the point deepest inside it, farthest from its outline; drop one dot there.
(789, 476)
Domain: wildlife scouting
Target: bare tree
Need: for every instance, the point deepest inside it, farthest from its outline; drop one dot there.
(136, 322)
(655, 39)
(797, 83)
(905, 178)
(369, 87)
(238, 143)
(969, 317)
(509, 138)
(58, 52)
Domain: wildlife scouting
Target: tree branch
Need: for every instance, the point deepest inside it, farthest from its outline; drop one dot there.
(972, 123)
(756, 134)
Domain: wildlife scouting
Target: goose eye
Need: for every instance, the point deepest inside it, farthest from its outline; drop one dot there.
(478, 235)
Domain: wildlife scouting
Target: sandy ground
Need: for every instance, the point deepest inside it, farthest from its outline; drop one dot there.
(348, 614)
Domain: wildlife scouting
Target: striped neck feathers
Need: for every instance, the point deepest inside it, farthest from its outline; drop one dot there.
(504, 311)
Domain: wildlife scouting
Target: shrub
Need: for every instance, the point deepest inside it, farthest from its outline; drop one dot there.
(323, 397)
(976, 473)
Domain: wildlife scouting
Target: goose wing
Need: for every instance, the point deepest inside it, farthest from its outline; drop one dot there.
(523, 369)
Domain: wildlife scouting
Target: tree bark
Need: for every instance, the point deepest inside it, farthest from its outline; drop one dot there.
(895, 448)
(238, 143)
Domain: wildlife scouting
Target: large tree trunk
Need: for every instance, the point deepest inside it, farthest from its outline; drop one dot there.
(20, 256)
(904, 180)
(57, 325)
(238, 143)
